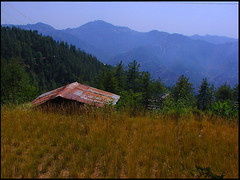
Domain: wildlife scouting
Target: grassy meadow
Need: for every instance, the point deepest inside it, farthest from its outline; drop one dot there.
(105, 143)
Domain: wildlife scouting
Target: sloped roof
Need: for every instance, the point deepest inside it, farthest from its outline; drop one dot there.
(79, 92)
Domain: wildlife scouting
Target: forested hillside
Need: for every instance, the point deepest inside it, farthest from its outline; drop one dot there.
(30, 58)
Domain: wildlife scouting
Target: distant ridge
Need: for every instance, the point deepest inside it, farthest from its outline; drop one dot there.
(214, 39)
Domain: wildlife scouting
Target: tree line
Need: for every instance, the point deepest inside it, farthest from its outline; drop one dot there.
(137, 89)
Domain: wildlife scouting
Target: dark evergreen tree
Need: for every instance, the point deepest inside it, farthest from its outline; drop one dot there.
(120, 77)
(183, 91)
(146, 89)
(224, 93)
(158, 89)
(205, 95)
(110, 83)
(15, 83)
(235, 93)
(100, 78)
(133, 76)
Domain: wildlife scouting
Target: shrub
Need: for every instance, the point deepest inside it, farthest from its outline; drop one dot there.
(225, 109)
(175, 109)
(130, 101)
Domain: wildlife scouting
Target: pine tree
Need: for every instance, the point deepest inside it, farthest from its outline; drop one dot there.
(158, 89)
(15, 83)
(146, 83)
(205, 95)
(133, 76)
(235, 93)
(183, 91)
(120, 77)
(110, 82)
(224, 93)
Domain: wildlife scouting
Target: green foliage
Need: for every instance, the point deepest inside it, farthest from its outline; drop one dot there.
(205, 95)
(130, 102)
(225, 109)
(158, 89)
(146, 87)
(106, 80)
(224, 93)
(133, 75)
(15, 83)
(171, 107)
(130, 83)
(110, 83)
(183, 91)
(119, 75)
(235, 93)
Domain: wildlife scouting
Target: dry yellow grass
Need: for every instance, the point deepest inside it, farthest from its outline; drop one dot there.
(106, 143)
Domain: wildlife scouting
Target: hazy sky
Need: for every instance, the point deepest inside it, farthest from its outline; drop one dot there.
(188, 18)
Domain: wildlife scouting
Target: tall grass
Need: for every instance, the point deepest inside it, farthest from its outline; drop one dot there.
(103, 142)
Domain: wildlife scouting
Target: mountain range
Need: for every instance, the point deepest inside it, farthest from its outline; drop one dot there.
(162, 54)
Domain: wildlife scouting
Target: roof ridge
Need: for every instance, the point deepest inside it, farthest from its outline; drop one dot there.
(66, 89)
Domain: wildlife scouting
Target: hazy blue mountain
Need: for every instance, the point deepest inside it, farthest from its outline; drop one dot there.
(226, 64)
(220, 63)
(214, 39)
(163, 54)
(107, 37)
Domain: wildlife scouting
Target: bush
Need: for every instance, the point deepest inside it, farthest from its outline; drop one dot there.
(175, 109)
(225, 109)
(130, 101)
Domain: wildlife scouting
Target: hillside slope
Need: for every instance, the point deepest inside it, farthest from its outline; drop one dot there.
(49, 64)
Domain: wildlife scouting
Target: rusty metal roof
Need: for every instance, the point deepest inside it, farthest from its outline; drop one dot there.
(81, 93)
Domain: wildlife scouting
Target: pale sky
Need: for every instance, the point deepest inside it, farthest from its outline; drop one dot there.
(187, 18)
